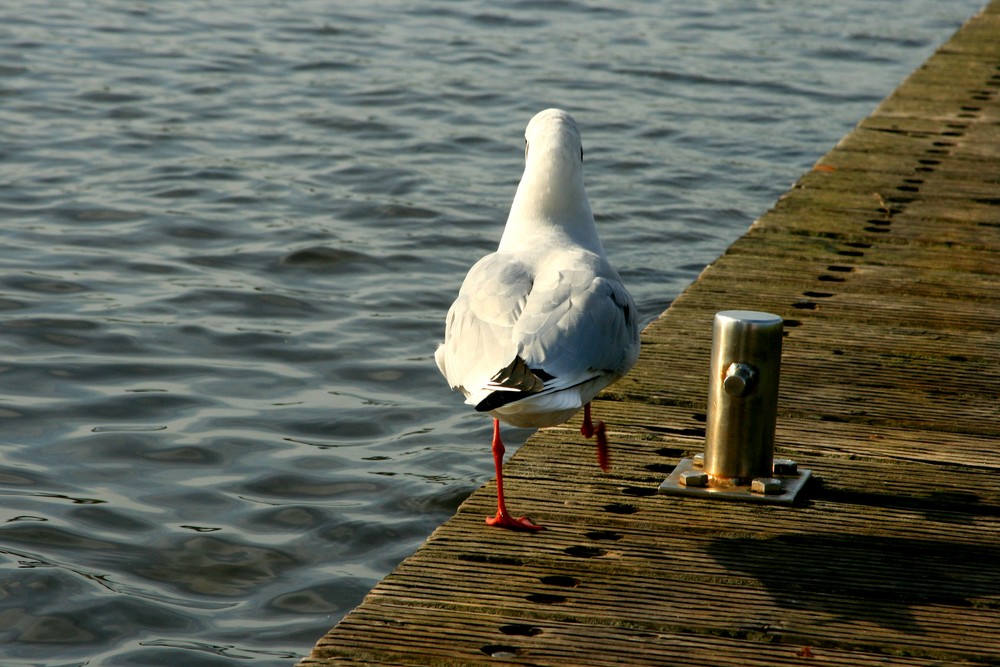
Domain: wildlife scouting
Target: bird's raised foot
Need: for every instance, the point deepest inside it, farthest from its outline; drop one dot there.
(603, 455)
(504, 520)
(589, 430)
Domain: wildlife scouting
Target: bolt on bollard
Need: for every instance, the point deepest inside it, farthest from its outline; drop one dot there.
(738, 461)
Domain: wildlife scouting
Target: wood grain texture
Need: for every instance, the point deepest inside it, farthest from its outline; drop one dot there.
(884, 261)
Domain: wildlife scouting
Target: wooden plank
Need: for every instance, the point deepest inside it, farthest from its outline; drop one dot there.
(883, 261)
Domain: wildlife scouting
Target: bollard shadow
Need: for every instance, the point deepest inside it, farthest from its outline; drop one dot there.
(864, 578)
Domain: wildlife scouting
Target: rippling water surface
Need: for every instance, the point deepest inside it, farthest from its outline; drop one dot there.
(230, 235)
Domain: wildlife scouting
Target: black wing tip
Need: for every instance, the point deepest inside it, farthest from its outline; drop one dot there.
(520, 382)
(542, 375)
(498, 399)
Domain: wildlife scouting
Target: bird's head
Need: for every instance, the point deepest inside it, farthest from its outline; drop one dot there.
(552, 142)
(551, 191)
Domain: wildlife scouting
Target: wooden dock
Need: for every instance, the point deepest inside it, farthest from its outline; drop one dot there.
(884, 261)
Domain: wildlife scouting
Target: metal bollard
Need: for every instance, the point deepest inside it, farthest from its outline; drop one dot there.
(738, 461)
(742, 396)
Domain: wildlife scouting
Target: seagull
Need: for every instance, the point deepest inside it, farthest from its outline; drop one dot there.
(540, 326)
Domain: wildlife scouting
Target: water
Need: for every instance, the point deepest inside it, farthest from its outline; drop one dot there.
(231, 232)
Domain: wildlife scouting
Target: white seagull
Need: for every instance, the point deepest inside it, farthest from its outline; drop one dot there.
(544, 323)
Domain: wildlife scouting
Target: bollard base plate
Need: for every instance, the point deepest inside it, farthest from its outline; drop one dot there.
(791, 485)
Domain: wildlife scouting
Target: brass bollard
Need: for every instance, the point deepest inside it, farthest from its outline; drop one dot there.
(738, 462)
(742, 396)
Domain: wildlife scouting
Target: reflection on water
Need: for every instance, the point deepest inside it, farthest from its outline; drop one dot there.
(230, 237)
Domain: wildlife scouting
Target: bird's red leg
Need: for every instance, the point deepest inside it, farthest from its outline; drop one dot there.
(502, 518)
(589, 430)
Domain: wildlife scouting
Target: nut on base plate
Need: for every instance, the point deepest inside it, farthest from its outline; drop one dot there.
(791, 484)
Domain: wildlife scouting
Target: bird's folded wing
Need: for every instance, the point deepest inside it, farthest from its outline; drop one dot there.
(510, 330)
(478, 342)
(577, 327)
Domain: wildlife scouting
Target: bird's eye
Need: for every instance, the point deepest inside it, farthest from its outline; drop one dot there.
(581, 153)
(525, 149)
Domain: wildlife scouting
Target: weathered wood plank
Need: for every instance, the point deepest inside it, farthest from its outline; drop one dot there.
(883, 261)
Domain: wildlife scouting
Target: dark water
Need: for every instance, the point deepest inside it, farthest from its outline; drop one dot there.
(231, 231)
